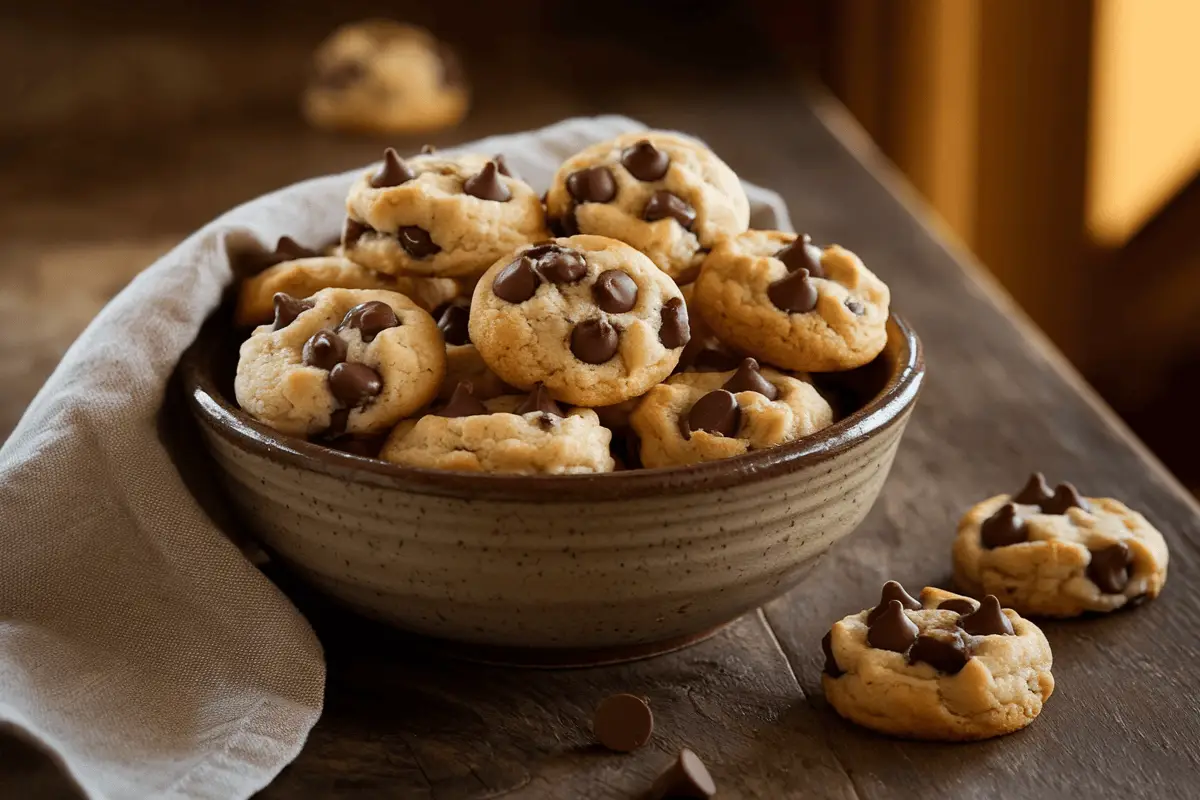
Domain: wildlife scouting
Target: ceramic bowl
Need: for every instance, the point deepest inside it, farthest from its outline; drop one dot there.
(615, 565)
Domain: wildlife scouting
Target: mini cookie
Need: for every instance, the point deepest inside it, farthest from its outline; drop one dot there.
(528, 436)
(946, 668)
(341, 361)
(782, 299)
(1056, 554)
(305, 276)
(704, 416)
(463, 362)
(439, 215)
(667, 195)
(589, 317)
(380, 76)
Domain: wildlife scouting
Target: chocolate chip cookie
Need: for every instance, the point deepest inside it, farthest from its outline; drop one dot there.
(944, 668)
(704, 416)
(667, 195)
(437, 215)
(784, 300)
(590, 317)
(1054, 553)
(341, 361)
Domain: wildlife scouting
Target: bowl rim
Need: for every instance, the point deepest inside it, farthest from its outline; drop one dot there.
(887, 408)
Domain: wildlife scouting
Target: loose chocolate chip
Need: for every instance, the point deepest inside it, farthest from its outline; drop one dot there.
(337, 422)
(1035, 492)
(892, 590)
(557, 264)
(370, 318)
(517, 282)
(595, 341)
(623, 722)
(959, 605)
(428, 149)
(462, 403)
(454, 323)
(1065, 496)
(945, 651)
(749, 379)
(892, 629)
(394, 172)
(795, 294)
(988, 620)
(1003, 528)
(802, 254)
(354, 384)
(416, 241)
(663, 204)
(592, 185)
(506, 170)
(645, 161)
(854, 307)
(539, 400)
(352, 231)
(1109, 568)
(615, 292)
(339, 75)
(687, 777)
(831, 665)
(287, 308)
(324, 350)
(674, 330)
(486, 185)
(716, 412)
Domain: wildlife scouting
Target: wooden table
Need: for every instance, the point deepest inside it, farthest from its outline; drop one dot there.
(998, 403)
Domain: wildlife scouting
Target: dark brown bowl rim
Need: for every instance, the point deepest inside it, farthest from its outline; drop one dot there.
(887, 408)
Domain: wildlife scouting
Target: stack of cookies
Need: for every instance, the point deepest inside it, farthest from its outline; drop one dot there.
(626, 319)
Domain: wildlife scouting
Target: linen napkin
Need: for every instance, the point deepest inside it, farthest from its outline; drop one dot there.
(137, 644)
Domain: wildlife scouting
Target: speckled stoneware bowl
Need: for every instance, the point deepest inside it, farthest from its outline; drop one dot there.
(565, 569)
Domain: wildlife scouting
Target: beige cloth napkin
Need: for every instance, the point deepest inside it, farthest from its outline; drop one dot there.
(137, 644)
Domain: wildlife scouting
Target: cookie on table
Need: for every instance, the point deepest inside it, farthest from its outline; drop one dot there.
(380, 76)
(704, 416)
(342, 361)
(529, 435)
(439, 215)
(1054, 553)
(667, 195)
(944, 668)
(463, 362)
(590, 317)
(305, 276)
(786, 301)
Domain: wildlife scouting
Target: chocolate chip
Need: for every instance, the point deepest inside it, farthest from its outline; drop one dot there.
(288, 249)
(716, 412)
(539, 400)
(687, 777)
(452, 73)
(945, 651)
(707, 355)
(506, 170)
(749, 379)
(623, 722)
(831, 665)
(663, 204)
(353, 230)
(339, 75)
(486, 185)
(323, 350)
(674, 331)
(1003, 528)
(370, 318)
(892, 590)
(416, 241)
(557, 264)
(592, 185)
(1065, 496)
(566, 225)
(287, 308)
(988, 620)
(802, 254)
(1109, 567)
(517, 282)
(462, 403)
(892, 629)
(795, 294)
(854, 307)
(959, 605)
(615, 292)
(645, 161)
(428, 149)
(595, 341)
(1035, 492)
(394, 172)
(354, 384)
(454, 323)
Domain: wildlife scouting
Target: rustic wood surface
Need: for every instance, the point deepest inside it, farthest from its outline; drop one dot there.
(998, 402)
